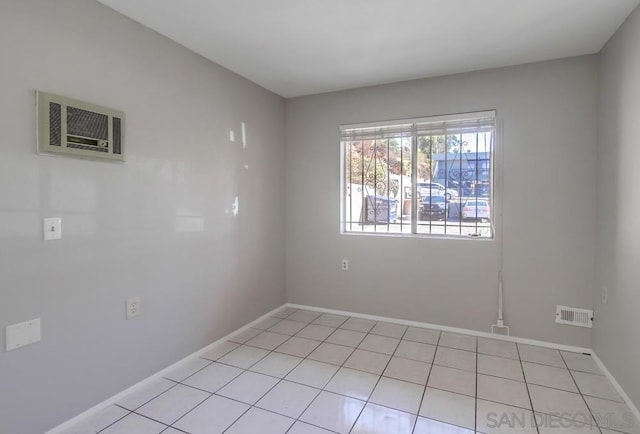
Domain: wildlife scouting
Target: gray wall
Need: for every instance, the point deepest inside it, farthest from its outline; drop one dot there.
(617, 329)
(549, 114)
(123, 224)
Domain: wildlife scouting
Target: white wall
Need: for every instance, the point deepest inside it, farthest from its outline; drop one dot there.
(122, 222)
(617, 328)
(548, 111)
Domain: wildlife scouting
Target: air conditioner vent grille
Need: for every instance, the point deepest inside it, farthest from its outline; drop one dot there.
(87, 147)
(79, 129)
(117, 136)
(55, 135)
(574, 316)
(87, 124)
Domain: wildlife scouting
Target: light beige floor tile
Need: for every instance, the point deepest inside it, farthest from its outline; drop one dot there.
(453, 358)
(367, 361)
(298, 347)
(416, 351)
(500, 367)
(379, 344)
(316, 332)
(399, 395)
(544, 356)
(598, 386)
(330, 320)
(358, 325)
(389, 330)
(137, 424)
(304, 316)
(276, 364)
(376, 419)
(612, 415)
(495, 347)
(422, 335)
(448, 407)
(581, 362)
(173, 404)
(331, 353)
(458, 341)
(287, 327)
(334, 412)
(348, 338)
(213, 377)
(248, 387)
(509, 392)
(496, 418)
(558, 402)
(430, 426)
(212, 416)
(453, 380)
(312, 373)
(407, 370)
(305, 428)
(289, 399)
(260, 421)
(353, 383)
(267, 340)
(549, 376)
(244, 356)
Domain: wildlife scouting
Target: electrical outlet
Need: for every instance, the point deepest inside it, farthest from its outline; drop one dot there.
(345, 265)
(605, 295)
(133, 307)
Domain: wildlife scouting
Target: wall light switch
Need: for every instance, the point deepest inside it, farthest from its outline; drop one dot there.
(232, 136)
(52, 228)
(24, 333)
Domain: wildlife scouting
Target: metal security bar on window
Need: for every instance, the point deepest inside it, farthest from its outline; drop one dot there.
(429, 176)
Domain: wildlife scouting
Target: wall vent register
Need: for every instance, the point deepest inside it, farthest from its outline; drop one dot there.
(80, 129)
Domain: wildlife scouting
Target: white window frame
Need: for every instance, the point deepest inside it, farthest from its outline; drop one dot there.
(495, 174)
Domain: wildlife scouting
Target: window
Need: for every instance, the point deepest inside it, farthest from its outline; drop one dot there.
(428, 176)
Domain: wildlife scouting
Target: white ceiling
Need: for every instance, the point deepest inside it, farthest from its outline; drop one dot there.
(301, 47)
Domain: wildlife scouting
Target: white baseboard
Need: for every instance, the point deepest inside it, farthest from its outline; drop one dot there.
(544, 344)
(95, 409)
(617, 386)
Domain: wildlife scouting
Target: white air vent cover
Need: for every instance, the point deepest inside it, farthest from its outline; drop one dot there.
(80, 129)
(574, 316)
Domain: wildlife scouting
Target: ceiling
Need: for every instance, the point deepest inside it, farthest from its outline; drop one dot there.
(301, 47)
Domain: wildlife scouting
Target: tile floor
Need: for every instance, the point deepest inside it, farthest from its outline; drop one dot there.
(304, 372)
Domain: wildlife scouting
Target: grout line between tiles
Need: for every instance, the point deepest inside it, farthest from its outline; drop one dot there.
(533, 410)
(424, 392)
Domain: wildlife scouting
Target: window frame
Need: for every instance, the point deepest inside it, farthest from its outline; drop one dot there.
(495, 162)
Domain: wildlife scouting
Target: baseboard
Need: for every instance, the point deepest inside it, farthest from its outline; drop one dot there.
(617, 386)
(447, 329)
(98, 407)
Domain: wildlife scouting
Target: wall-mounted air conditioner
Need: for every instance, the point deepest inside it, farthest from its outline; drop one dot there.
(76, 128)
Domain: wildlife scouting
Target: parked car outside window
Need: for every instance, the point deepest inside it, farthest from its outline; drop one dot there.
(433, 207)
(476, 209)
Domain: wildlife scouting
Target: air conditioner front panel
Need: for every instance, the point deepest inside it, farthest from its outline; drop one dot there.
(79, 129)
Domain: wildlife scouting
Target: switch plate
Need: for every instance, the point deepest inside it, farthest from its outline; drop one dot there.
(133, 307)
(232, 136)
(345, 265)
(605, 295)
(52, 228)
(24, 333)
